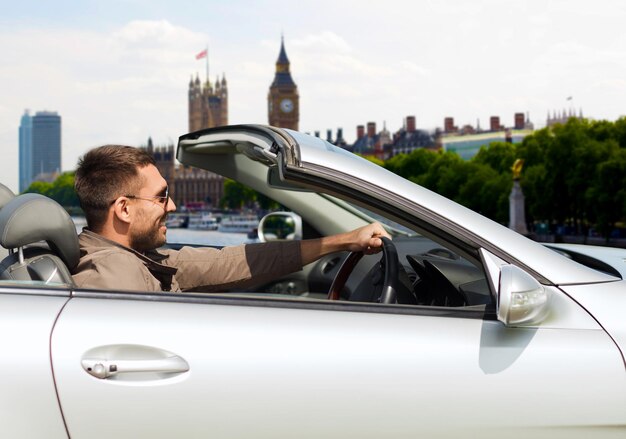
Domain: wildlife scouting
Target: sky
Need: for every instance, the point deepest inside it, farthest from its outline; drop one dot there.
(118, 71)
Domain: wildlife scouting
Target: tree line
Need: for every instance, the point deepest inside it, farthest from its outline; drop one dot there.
(574, 174)
(60, 190)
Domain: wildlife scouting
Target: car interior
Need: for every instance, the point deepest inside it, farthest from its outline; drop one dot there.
(24, 233)
(432, 270)
(420, 271)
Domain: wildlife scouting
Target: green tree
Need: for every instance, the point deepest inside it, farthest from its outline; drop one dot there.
(39, 187)
(607, 193)
(237, 195)
(533, 182)
(63, 192)
(416, 163)
(445, 176)
(373, 159)
(500, 156)
(573, 172)
(533, 148)
(266, 203)
(602, 130)
(619, 132)
(486, 191)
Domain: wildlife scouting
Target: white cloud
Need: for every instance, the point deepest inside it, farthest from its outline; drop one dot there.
(158, 42)
(414, 68)
(326, 41)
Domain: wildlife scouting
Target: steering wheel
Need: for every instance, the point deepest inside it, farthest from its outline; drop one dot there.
(433, 288)
(389, 265)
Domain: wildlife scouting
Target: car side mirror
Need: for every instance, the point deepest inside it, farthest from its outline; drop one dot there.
(521, 299)
(280, 226)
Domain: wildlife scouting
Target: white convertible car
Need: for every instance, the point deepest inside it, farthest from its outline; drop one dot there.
(459, 328)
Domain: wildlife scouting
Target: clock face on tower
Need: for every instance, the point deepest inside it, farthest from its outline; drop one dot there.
(286, 105)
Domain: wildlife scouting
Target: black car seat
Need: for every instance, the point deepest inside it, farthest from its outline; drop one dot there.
(27, 223)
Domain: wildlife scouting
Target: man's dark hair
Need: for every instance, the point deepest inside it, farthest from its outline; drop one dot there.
(104, 174)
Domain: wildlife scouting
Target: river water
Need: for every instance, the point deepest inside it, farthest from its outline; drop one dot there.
(191, 236)
(205, 237)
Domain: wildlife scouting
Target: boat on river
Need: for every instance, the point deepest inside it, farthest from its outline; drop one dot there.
(174, 221)
(202, 221)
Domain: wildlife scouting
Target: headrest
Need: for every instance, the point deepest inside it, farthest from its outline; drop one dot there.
(6, 195)
(31, 218)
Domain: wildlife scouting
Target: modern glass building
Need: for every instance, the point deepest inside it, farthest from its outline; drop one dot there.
(46, 144)
(25, 151)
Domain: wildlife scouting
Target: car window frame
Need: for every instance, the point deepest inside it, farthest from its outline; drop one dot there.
(289, 302)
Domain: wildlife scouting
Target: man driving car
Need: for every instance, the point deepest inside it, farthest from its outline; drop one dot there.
(126, 202)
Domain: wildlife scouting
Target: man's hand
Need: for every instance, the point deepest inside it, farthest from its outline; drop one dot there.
(365, 239)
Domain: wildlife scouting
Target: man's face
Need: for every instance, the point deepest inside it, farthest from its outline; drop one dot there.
(150, 208)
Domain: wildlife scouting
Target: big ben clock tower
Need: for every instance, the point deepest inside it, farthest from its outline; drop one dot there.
(283, 103)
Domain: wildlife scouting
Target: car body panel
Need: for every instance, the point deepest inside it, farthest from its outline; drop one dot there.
(283, 361)
(28, 401)
(607, 304)
(615, 257)
(310, 371)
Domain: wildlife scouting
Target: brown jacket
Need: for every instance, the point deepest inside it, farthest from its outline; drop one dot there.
(105, 264)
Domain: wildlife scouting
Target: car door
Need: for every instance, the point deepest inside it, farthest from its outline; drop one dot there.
(236, 366)
(28, 401)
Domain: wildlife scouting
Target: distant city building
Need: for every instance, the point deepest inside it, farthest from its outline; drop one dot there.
(468, 129)
(465, 141)
(494, 124)
(409, 138)
(329, 136)
(283, 101)
(383, 145)
(164, 158)
(25, 151)
(337, 141)
(527, 125)
(520, 121)
(39, 148)
(562, 117)
(467, 146)
(208, 103)
(448, 125)
(197, 189)
(190, 188)
(468, 140)
(371, 143)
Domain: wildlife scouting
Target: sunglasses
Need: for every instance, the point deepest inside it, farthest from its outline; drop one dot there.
(161, 199)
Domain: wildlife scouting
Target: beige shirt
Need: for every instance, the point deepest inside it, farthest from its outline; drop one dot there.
(105, 264)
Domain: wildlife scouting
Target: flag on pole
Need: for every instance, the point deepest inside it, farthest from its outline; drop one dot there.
(202, 54)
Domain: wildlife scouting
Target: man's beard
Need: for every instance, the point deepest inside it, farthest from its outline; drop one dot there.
(147, 239)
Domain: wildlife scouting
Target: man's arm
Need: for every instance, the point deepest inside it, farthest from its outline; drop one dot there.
(209, 269)
(365, 239)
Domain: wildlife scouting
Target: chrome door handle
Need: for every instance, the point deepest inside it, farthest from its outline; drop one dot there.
(106, 368)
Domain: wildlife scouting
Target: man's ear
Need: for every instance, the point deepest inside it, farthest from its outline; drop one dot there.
(122, 209)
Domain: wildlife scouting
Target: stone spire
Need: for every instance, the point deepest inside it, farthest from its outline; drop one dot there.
(283, 76)
(282, 56)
